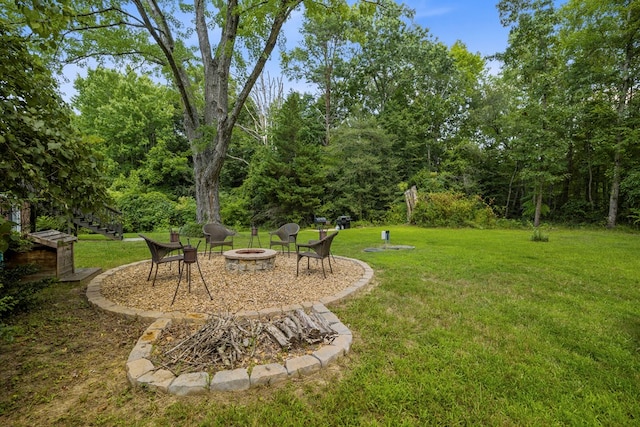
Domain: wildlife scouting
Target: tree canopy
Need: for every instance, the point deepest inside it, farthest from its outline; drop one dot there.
(552, 135)
(44, 158)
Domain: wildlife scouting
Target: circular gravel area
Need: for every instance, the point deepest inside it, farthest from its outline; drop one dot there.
(231, 292)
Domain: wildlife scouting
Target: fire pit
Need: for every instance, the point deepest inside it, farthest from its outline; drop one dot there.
(250, 260)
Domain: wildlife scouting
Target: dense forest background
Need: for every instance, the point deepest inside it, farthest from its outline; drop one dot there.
(553, 136)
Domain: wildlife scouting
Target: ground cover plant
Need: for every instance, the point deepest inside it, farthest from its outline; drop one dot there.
(479, 327)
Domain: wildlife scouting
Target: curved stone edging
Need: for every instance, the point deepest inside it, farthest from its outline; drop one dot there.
(142, 372)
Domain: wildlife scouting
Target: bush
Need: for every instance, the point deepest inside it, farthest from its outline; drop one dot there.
(539, 236)
(191, 229)
(184, 211)
(397, 214)
(145, 212)
(452, 210)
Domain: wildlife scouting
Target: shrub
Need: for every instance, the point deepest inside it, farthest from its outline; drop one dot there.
(191, 229)
(452, 210)
(184, 211)
(539, 236)
(145, 212)
(397, 214)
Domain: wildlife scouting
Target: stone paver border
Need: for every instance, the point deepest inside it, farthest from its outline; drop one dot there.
(141, 371)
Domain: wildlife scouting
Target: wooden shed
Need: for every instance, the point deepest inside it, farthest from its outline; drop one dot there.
(52, 252)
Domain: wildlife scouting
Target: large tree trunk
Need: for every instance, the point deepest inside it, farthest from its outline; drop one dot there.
(615, 193)
(208, 129)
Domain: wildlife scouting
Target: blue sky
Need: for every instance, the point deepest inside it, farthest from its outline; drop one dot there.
(475, 22)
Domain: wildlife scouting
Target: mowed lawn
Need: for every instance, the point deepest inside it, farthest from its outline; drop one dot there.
(471, 327)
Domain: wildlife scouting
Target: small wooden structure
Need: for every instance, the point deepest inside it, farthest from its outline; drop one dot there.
(52, 253)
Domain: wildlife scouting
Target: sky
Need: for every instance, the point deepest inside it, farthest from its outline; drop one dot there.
(474, 22)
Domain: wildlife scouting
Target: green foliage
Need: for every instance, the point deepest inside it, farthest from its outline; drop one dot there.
(15, 293)
(397, 214)
(146, 211)
(12, 240)
(236, 211)
(48, 222)
(362, 176)
(43, 157)
(529, 208)
(634, 216)
(452, 210)
(539, 236)
(285, 180)
(5, 234)
(184, 211)
(191, 229)
(133, 121)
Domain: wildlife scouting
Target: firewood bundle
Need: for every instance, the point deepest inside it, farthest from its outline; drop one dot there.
(228, 340)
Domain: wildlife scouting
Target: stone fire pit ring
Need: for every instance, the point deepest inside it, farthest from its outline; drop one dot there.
(250, 260)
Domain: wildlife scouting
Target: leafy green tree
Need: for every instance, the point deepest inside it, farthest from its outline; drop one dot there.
(44, 159)
(602, 47)
(498, 169)
(214, 80)
(127, 112)
(532, 63)
(321, 57)
(135, 123)
(285, 182)
(418, 93)
(362, 179)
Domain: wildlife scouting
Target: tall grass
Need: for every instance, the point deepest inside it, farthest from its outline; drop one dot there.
(476, 327)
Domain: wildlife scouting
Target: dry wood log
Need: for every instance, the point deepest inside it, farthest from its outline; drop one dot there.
(229, 340)
(322, 323)
(291, 335)
(309, 326)
(294, 327)
(277, 335)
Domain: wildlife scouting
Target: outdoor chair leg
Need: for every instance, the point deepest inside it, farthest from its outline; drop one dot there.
(150, 271)
(177, 287)
(154, 276)
(205, 283)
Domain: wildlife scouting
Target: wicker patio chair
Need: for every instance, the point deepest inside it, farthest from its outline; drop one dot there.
(216, 235)
(160, 255)
(318, 249)
(284, 236)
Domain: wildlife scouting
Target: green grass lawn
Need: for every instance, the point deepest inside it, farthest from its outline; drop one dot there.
(474, 327)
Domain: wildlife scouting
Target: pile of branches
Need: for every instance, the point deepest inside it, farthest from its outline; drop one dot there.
(229, 341)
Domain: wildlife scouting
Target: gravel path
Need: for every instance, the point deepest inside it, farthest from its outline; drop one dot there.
(231, 291)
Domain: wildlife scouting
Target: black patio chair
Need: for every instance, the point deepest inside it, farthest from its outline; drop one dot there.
(217, 235)
(318, 249)
(284, 236)
(160, 255)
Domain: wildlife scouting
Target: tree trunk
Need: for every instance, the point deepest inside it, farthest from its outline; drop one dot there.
(615, 193)
(538, 213)
(209, 129)
(624, 97)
